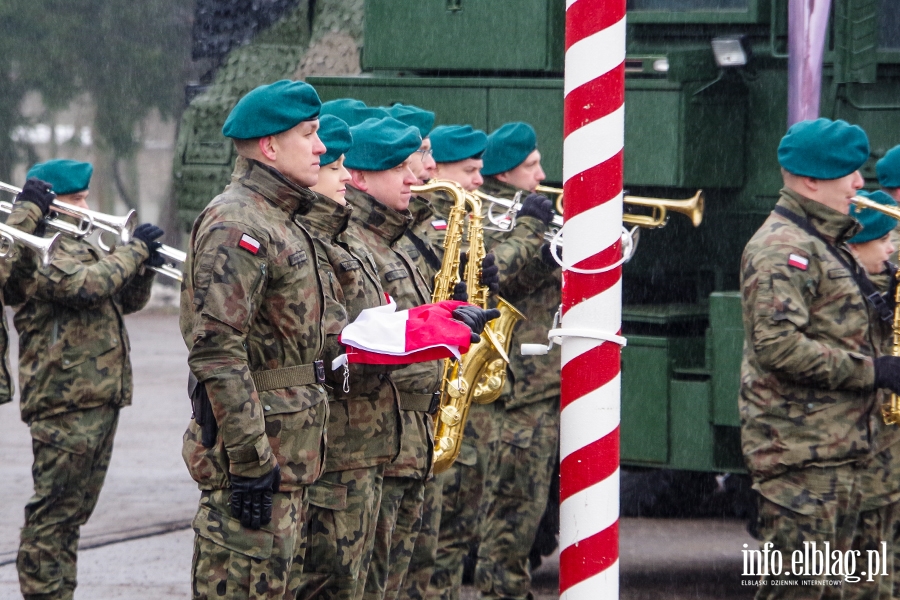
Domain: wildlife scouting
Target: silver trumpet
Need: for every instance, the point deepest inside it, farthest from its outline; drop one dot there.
(42, 247)
(89, 222)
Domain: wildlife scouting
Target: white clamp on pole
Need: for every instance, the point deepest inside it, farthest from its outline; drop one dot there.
(557, 333)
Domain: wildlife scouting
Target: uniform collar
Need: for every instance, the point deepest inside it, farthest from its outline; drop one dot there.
(377, 217)
(327, 217)
(272, 185)
(421, 209)
(494, 187)
(836, 227)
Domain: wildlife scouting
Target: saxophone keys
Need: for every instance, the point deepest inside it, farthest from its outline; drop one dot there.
(450, 416)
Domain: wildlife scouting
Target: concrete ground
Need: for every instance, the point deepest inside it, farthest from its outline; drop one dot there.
(138, 544)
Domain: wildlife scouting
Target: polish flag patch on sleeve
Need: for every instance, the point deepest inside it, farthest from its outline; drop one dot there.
(249, 244)
(439, 224)
(798, 262)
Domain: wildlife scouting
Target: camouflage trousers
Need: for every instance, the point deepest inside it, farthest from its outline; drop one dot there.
(343, 512)
(71, 457)
(529, 446)
(399, 521)
(421, 563)
(815, 504)
(879, 521)
(465, 494)
(231, 561)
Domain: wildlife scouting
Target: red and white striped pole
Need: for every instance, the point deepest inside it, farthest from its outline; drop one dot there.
(594, 131)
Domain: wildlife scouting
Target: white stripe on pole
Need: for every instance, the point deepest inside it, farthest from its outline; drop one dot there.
(592, 231)
(595, 55)
(598, 313)
(603, 501)
(593, 144)
(593, 416)
(603, 586)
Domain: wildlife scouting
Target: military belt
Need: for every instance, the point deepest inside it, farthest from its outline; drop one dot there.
(427, 403)
(276, 379)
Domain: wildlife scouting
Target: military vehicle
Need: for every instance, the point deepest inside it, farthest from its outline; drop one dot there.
(694, 120)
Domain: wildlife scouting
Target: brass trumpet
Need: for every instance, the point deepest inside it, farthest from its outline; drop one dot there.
(692, 208)
(890, 411)
(552, 191)
(90, 221)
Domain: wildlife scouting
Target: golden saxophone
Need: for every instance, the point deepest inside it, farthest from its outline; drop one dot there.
(461, 380)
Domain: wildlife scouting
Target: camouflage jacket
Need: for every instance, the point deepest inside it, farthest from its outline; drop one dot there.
(252, 301)
(25, 217)
(363, 425)
(807, 374)
(535, 290)
(73, 346)
(375, 232)
(423, 241)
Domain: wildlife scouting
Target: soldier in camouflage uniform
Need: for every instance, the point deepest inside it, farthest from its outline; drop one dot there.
(529, 431)
(74, 374)
(254, 319)
(811, 363)
(363, 425)
(880, 475)
(35, 198)
(379, 194)
(466, 486)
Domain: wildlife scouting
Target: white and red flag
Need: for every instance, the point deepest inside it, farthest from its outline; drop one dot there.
(385, 336)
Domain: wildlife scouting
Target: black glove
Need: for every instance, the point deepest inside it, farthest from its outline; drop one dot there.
(39, 193)
(251, 498)
(887, 373)
(547, 257)
(490, 273)
(460, 292)
(475, 318)
(155, 259)
(537, 206)
(147, 232)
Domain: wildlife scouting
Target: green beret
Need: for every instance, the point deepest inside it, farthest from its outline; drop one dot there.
(413, 115)
(352, 112)
(823, 149)
(875, 224)
(508, 147)
(381, 144)
(451, 143)
(888, 169)
(66, 176)
(335, 134)
(271, 109)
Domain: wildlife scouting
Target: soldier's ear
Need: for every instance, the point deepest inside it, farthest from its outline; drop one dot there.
(358, 180)
(268, 147)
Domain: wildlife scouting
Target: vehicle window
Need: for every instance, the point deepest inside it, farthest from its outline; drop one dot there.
(889, 25)
(686, 5)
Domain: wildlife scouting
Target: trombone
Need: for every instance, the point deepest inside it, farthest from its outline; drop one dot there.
(89, 221)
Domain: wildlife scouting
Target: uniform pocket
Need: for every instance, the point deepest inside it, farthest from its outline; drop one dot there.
(226, 531)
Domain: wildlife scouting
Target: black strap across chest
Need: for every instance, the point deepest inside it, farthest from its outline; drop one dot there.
(430, 257)
(866, 287)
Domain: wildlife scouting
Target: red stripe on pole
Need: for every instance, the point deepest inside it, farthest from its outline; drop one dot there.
(585, 18)
(594, 186)
(594, 100)
(577, 288)
(588, 557)
(588, 372)
(589, 465)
